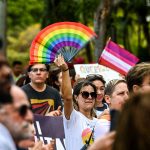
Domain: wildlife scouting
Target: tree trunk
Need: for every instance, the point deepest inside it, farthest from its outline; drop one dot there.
(145, 26)
(50, 15)
(147, 34)
(85, 22)
(100, 25)
(3, 26)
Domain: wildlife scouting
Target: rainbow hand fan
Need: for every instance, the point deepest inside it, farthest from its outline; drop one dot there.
(66, 38)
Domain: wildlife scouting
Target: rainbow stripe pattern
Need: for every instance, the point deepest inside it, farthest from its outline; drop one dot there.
(66, 38)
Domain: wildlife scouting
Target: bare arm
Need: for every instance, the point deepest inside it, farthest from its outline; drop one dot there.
(66, 86)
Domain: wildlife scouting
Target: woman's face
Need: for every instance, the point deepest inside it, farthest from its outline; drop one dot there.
(85, 100)
(99, 89)
(119, 96)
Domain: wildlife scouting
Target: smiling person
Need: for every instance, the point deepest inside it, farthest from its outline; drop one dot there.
(80, 125)
(44, 99)
(99, 82)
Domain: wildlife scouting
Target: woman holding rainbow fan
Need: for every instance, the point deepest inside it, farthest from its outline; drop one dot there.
(80, 126)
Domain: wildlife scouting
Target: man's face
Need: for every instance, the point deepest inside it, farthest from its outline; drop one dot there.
(38, 73)
(100, 90)
(5, 77)
(19, 121)
(146, 84)
(17, 69)
(119, 96)
(144, 87)
(5, 72)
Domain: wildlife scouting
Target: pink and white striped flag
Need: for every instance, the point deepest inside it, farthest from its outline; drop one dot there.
(117, 58)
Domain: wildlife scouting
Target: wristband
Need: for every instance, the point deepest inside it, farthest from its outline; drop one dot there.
(65, 70)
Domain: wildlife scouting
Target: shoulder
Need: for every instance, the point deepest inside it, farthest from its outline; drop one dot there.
(106, 105)
(49, 88)
(26, 86)
(27, 89)
(6, 144)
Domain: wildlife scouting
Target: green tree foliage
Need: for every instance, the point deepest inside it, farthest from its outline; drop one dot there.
(127, 25)
(125, 22)
(21, 17)
(19, 47)
(21, 14)
(69, 10)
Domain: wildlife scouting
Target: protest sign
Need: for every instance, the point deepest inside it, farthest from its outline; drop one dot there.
(84, 69)
(47, 128)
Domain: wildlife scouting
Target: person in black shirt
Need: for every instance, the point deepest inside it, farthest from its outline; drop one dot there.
(44, 99)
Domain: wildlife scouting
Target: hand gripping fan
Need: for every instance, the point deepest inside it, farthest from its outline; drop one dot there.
(66, 38)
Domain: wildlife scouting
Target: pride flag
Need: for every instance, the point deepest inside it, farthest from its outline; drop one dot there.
(117, 58)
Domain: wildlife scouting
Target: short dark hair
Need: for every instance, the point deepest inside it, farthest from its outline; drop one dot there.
(30, 66)
(53, 78)
(5, 97)
(16, 62)
(136, 75)
(94, 77)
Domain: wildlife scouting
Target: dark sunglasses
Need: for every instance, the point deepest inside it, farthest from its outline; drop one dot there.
(38, 69)
(87, 94)
(23, 110)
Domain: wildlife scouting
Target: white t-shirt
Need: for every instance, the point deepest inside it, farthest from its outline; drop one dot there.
(79, 128)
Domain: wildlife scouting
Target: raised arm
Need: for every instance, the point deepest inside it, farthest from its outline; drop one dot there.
(66, 86)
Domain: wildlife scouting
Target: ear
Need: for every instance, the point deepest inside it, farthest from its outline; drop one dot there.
(57, 83)
(29, 75)
(2, 111)
(107, 99)
(136, 88)
(76, 98)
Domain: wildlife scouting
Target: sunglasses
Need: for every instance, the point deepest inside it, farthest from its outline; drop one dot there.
(23, 110)
(85, 94)
(35, 70)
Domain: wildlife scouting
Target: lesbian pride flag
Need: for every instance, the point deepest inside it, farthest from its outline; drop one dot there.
(117, 58)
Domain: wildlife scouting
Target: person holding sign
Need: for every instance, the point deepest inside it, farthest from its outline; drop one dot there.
(80, 125)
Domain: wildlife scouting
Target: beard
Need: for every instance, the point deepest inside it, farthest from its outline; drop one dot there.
(19, 131)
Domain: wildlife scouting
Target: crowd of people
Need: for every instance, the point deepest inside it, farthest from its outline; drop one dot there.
(96, 115)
